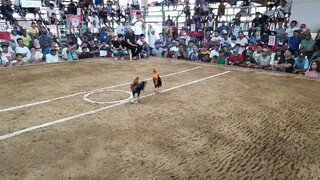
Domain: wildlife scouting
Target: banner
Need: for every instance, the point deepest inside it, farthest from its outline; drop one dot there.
(75, 21)
(272, 40)
(30, 3)
(5, 36)
(3, 26)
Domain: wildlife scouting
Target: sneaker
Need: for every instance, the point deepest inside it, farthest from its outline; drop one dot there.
(116, 59)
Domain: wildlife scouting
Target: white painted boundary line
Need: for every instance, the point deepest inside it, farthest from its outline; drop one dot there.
(84, 92)
(16, 133)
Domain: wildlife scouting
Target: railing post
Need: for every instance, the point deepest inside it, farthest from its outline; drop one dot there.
(163, 18)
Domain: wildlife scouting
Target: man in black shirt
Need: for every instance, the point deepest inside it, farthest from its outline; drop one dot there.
(256, 23)
(119, 47)
(85, 54)
(132, 44)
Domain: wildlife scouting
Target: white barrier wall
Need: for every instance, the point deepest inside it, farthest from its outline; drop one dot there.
(307, 12)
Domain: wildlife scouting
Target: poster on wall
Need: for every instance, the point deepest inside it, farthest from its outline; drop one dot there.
(193, 28)
(3, 26)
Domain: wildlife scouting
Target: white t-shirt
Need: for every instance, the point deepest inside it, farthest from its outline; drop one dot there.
(96, 19)
(23, 51)
(236, 31)
(152, 40)
(95, 29)
(64, 53)
(214, 53)
(37, 56)
(290, 31)
(52, 59)
(256, 55)
(141, 43)
(50, 11)
(224, 42)
(174, 49)
(120, 29)
(138, 28)
(4, 60)
(214, 38)
(14, 38)
(242, 42)
(10, 50)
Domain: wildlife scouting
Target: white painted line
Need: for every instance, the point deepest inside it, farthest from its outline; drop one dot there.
(84, 92)
(86, 97)
(16, 133)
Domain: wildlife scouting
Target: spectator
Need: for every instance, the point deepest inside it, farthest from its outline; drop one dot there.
(304, 31)
(120, 28)
(249, 61)
(138, 25)
(279, 57)
(132, 44)
(316, 53)
(53, 20)
(280, 32)
(205, 8)
(94, 18)
(210, 23)
(52, 57)
(152, 36)
(255, 24)
(3, 60)
(158, 51)
(104, 35)
(9, 56)
(95, 28)
(23, 50)
(161, 41)
(204, 55)
(216, 39)
(214, 51)
(286, 65)
(223, 28)
(50, 10)
(221, 9)
(119, 47)
(301, 64)
(6, 10)
(17, 27)
(13, 38)
(173, 51)
(71, 52)
(226, 41)
(62, 12)
(26, 38)
(194, 55)
(295, 41)
(264, 59)
(307, 45)
(19, 60)
(221, 59)
(36, 56)
(236, 58)
(314, 70)
(34, 31)
(169, 21)
(290, 30)
(187, 11)
(43, 39)
(85, 54)
(41, 27)
(243, 41)
(182, 53)
(145, 53)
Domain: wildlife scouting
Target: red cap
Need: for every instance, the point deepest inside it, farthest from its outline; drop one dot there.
(303, 26)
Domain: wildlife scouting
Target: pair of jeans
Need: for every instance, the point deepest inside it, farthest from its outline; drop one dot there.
(120, 52)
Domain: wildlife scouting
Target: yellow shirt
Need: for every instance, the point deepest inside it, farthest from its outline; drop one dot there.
(34, 31)
(26, 40)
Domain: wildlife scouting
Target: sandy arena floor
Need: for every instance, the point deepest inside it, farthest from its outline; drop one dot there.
(245, 124)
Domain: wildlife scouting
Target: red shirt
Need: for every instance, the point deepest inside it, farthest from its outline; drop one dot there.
(234, 58)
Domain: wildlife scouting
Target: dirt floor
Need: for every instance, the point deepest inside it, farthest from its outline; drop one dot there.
(245, 124)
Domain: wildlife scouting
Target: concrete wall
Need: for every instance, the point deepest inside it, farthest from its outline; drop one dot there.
(307, 12)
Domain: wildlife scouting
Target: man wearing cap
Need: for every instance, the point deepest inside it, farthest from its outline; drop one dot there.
(304, 31)
(264, 59)
(132, 43)
(307, 45)
(301, 64)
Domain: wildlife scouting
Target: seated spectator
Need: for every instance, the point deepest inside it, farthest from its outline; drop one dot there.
(71, 52)
(291, 29)
(214, 51)
(48, 49)
(223, 28)
(243, 41)
(53, 20)
(85, 54)
(17, 27)
(316, 53)
(304, 31)
(161, 41)
(95, 27)
(249, 61)
(264, 59)
(104, 35)
(158, 51)
(280, 32)
(286, 65)
(44, 39)
(105, 51)
(3, 60)
(26, 38)
(236, 58)
(258, 52)
(36, 56)
(182, 53)
(255, 38)
(226, 51)
(41, 27)
(18, 60)
(120, 28)
(23, 51)
(13, 38)
(279, 57)
(95, 18)
(132, 44)
(204, 54)
(307, 45)
(194, 55)
(119, 47)
(34, 31)
(145, 53)
(314, 70)
(294, 41)
(301, 64)
(173, 51)
(221, 59)
(53, 57)
(50, 10)
(6, 10)
(9, 56)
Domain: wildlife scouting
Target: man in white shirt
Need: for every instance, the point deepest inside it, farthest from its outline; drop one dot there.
(226, 41)
(216, 36)
(95, 28)
(138, 25)
(120, 28)
(95, 18)
(51, 10)
(3, 60)
(22, 49)
(36, 56)
(13, 37)
(291, 29)
(243, 41)
(214, 51)
(52, 57)
(152, 37)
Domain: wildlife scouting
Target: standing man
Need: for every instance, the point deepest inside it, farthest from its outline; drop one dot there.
(138, 25)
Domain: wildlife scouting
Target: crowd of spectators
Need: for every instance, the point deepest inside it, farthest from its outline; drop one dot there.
(294, 51)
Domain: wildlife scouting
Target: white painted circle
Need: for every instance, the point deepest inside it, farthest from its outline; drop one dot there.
(86, 96)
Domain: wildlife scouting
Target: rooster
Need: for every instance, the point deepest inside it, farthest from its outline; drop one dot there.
(137, 87)
(156, 80)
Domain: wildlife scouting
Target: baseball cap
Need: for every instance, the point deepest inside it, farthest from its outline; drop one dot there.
(303, 26)
(302, 55)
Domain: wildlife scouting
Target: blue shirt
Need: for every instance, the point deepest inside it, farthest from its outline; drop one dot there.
(301, 65)
(47, 50)
(104, 37)
(72, 56)
(294, 43)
